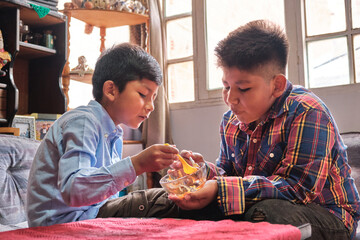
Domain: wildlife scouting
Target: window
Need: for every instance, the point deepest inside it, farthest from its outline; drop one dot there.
(185, 23)
(179, 38)
(223, 18)
(332, 42)
(324, 43)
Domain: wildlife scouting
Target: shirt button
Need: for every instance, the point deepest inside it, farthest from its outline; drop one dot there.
(141, 207)
(114, 131)
(254, 140)
(271, 155)
(232, 155)
(250, 168)
(106, 135)
(126, 183)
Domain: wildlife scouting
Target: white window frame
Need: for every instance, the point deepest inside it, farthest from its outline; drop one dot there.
(296, 71)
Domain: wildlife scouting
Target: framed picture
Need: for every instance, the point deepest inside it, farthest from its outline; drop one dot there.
(26, 124)
(43, 122)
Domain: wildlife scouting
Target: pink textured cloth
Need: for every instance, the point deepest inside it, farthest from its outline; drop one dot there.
(137, 228)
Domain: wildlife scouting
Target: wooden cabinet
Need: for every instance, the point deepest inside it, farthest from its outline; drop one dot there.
(32, 83)
(102, 19)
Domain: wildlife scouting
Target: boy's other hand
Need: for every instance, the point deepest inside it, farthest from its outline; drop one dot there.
(186, 155)
(197, 157)
(154, 158)
(198, 199)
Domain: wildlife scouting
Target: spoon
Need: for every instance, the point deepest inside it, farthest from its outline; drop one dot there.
(186, 167)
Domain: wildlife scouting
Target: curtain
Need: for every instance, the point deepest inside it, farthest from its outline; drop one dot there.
(156, 130)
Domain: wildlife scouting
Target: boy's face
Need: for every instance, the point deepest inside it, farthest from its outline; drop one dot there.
(134, 104)
(248, 94)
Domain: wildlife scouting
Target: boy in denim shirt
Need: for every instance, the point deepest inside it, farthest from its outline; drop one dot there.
(78, 166)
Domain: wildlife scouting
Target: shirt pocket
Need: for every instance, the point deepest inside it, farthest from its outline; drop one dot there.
(269, 158)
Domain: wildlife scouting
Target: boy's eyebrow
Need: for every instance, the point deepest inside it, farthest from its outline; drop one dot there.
(238, 82)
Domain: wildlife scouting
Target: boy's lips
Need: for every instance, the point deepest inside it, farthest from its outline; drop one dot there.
(236, 112)
(144, 117)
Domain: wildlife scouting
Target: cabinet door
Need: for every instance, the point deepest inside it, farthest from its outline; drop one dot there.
(9, 22)
(33, 80)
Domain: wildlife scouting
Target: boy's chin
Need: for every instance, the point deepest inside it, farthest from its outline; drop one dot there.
(134, 125)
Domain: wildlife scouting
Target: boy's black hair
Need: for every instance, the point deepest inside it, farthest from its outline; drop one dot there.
(123, 63)
(252, 45)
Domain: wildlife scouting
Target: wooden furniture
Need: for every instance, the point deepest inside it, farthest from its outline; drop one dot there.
(32, 81)
(10, 131)
(102, 19)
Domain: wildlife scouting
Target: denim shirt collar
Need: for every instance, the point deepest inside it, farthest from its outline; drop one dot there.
(109, 127)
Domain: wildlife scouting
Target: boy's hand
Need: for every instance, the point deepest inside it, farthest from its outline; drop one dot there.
(197, 157)
(154, 158)
(198, 199)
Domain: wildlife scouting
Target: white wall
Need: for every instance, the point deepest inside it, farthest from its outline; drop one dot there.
(197, 129)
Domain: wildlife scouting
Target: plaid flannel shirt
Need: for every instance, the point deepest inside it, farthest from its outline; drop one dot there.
(295, 154)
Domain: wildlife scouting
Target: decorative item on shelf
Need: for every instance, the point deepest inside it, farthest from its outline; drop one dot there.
(82, 72)
(117, 5)
(88, 4)
(24, 29)
(5, 56)
(49, 39)
(139, 8)
(43, 122)
(82, 68)
(26, 124)
(101, 4)
(40, 10)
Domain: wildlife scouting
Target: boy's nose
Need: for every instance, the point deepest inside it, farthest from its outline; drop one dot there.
(150, 106)
(232, 97)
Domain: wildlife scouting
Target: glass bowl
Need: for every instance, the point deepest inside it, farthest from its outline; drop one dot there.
(179, 183)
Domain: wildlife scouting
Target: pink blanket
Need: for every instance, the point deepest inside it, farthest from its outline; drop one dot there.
(137, 228)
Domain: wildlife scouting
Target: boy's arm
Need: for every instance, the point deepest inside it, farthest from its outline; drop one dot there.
(84, 177)
(299, 177)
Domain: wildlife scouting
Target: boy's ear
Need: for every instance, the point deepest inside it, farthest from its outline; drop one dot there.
(279, 85)
(109, 89)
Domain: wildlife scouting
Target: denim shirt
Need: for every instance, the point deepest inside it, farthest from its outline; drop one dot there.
(77, 167)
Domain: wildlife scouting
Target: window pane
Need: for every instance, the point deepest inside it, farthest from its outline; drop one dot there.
(324, 16)
(355, 7)
(174, 7)
(226, 16)
(357, 57)
(181, 82)
(328, 62)
(179, 38)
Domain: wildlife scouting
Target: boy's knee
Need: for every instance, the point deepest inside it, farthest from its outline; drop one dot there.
(270, 210)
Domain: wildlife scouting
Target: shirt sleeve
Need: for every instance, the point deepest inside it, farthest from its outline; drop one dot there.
(223, 160)
(87, 174)
(299, 177)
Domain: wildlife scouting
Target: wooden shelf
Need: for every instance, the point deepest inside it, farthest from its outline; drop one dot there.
(107, 18)
(32, 51)
(86, 78)
(132, 142)
(30, 17)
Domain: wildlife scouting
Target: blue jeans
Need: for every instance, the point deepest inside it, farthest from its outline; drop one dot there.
(154, 203)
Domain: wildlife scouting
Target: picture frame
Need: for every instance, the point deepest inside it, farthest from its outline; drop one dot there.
(26, 124)
(43, 121)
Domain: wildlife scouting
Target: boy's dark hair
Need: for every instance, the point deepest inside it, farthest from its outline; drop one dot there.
(123, 63)
(252, 45)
